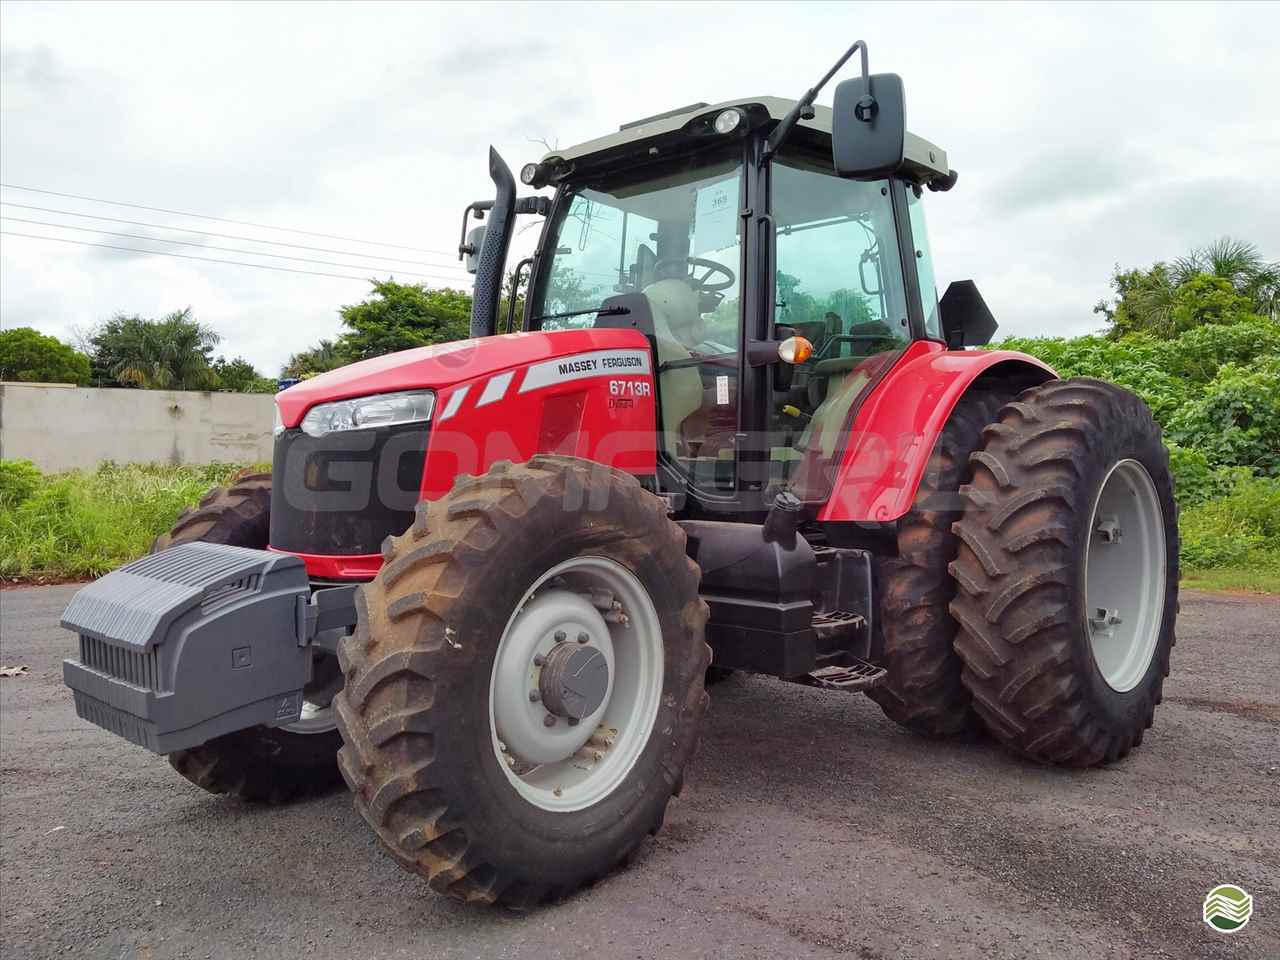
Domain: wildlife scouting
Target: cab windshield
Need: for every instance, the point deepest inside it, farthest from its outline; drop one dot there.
(626, 236)
(673, 235)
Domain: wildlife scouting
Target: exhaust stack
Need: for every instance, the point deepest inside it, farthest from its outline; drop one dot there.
(493, 254)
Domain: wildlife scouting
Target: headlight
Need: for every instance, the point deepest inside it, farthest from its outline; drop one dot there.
(277, 428)
(360, 413)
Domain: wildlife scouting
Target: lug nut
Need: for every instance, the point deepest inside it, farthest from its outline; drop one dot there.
(573, 721)
(583, 637)
(534, 696)
(539, 660)
(560, 635)
(549, 720)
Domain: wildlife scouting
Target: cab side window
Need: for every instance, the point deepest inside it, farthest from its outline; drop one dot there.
(838, 284)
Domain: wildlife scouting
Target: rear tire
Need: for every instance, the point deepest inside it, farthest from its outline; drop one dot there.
(260, 764)
(1073, 474)
(419, 711)
(916, 632)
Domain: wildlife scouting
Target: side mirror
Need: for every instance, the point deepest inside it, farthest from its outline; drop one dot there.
(966, 319)
(472, 248)
(868, 126)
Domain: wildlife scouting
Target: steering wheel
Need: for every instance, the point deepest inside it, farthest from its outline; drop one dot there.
(700, 284)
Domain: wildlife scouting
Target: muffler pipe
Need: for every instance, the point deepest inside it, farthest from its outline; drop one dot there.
(487, 292)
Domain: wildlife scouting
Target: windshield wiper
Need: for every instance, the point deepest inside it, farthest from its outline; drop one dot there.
(598, 311)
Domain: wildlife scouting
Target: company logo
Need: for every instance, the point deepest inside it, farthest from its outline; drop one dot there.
(1227, 908)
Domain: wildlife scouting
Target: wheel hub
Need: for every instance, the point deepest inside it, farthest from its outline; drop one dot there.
(547, 680)
(574, 680)
(576, 683)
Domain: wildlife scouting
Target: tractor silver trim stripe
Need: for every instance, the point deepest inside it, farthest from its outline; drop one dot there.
(597, 363)
(496, 388)
(455, 402)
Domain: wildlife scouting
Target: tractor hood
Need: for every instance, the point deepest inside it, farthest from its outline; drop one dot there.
(441, 365)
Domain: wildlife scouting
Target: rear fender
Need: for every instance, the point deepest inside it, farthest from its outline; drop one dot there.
(895, 428)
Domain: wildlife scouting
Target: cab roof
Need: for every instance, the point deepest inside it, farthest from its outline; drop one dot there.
(922, 160)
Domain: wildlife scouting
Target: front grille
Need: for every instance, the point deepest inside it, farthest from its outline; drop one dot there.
(141, 668)
(344, 493)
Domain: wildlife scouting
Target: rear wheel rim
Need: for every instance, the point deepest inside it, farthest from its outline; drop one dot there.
(560, 766)
(1125, 575)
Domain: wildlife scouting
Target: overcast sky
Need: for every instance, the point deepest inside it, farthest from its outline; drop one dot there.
(1085, 136)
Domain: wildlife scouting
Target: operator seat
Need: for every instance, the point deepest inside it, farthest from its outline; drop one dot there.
(677, 328)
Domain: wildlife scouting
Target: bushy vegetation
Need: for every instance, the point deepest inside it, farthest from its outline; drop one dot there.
(1214, 389)
(1199, 342)
(85, 524)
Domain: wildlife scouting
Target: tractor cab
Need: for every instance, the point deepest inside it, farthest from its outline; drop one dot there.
(775, 255)
(720, 249)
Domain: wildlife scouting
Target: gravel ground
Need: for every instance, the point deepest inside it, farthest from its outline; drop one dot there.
(810, 827)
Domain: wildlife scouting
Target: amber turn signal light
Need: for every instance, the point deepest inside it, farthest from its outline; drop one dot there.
(795, 350)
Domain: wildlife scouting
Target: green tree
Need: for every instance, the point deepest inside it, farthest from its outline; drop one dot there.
(398, 316)
(1221, 283)
(32, 357)
(241, 376)
(1240, 264)
(172, 353)
(324, 356)
(1143, 300)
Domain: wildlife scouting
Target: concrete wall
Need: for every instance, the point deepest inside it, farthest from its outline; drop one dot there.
(62, 427)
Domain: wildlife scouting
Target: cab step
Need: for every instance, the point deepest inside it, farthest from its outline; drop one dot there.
(851, 677)
(836, 624)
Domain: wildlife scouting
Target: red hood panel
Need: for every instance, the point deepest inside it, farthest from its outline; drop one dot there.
(443, 364)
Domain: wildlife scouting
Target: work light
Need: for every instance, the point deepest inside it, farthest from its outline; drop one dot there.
(727, 121)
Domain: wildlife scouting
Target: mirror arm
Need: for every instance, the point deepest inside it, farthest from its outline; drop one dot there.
(540, 206)
(805, 103)
(479, 207)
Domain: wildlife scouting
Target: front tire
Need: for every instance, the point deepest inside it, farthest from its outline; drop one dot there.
(435, 671)
(261, 764)
(1068, 569)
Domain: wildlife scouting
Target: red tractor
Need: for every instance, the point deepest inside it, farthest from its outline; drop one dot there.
(486, 582)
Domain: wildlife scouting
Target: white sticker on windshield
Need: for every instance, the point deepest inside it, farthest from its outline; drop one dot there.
(715, 217)
(722, 390)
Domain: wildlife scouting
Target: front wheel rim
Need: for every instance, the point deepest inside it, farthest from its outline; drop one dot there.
(1125, 570)
(554, 764)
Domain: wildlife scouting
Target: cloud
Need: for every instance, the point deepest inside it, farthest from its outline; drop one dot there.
(1074, 174)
